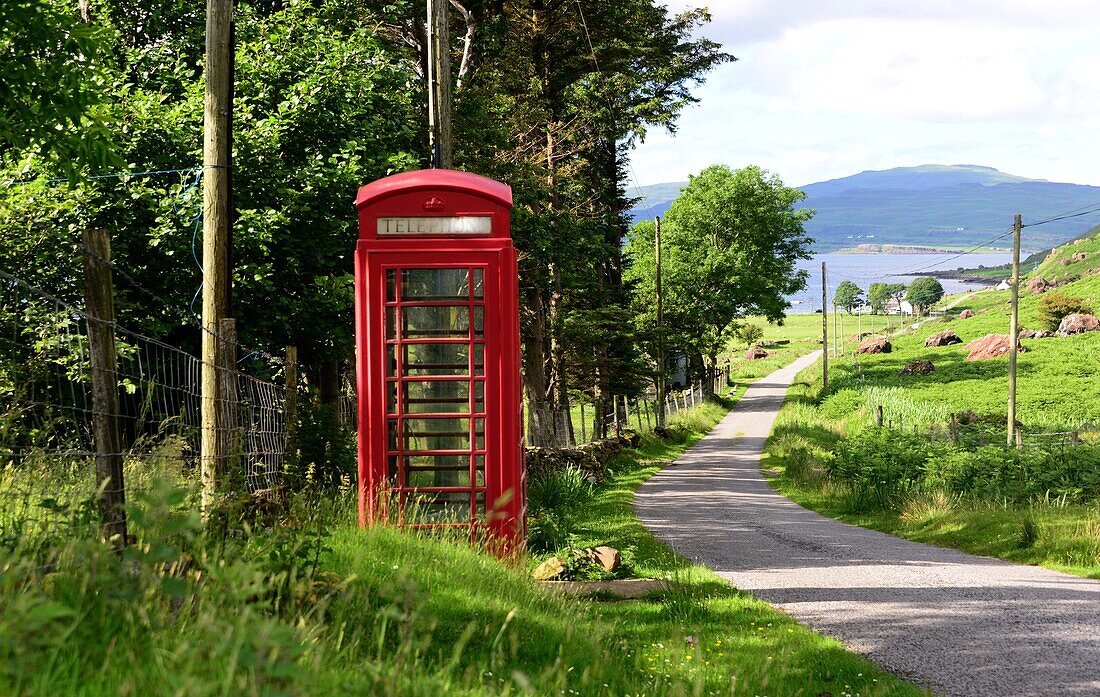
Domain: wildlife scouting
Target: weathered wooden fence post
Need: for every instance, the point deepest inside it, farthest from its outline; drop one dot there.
(290, 377)
(100, 314)
(878, 415)
(229, 446)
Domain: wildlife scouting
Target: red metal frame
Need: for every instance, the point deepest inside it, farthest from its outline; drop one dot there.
(385, 421)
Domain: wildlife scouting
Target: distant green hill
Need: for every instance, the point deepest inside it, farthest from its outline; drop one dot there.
(928, 205)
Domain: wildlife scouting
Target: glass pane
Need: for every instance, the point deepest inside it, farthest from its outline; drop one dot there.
(480, 433)
(479, 396)
(436, 434)
(391, 434)
(479, 322)
(391, 360)
(434, 284)
(452, 396)
(479, 359)
(436, 359)
(420, 478)
(441, 508)
(452, 462)
(391, 398)
(391, 322)
(391, 285)
(438, 322)
(479, 283)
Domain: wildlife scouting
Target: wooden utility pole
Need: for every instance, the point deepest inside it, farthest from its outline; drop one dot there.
(439, 85)
(660, 327)
(215, 234)
(824, 333)
(1013, 330)
(100, 313)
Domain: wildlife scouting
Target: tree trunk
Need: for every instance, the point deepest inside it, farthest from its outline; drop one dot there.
(534, 369)
(711, 372)
(559, 395)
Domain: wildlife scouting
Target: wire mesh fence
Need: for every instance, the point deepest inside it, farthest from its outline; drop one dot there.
(51, 461)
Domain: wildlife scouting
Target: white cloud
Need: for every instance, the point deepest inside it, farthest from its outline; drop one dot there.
(830, 88)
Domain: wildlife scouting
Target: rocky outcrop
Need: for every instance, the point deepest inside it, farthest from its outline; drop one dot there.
(966, 314)
(944, 338)
(552, 568)
(608, 558)
(1038, 285)
(1035, 334)
(875, 344)
(755, 353)
(918, 367)
(990, 346)
(1078, 323)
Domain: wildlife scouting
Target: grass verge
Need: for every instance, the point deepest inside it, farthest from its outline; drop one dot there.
(1046, 530)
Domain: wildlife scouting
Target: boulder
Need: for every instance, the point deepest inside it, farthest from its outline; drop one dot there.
(755, 353)
(552, 568)
(966, 314)
(1038, 285)
(990, 346)
(1079, 256)
(944, 338)
(1035, 334)
(875, 344)
(918, 367)
(608, 558)
(1078, 323)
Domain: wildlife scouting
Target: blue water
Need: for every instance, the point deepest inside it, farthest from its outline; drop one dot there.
(865, 269)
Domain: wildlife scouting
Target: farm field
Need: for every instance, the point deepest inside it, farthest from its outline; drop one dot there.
(919, 476)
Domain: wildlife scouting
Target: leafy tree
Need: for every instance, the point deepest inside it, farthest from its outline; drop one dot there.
(879, 293)
(731, 241)
(923, 293)
(750, 333)
(55, 85)
(848, 296)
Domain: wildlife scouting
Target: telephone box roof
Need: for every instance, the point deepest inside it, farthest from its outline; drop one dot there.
(435, 180)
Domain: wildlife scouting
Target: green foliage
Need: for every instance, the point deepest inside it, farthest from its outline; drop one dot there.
(750, 333)
(730, 243)
(1054, 306)
(52, 66)
(879, 293)
(555, 499)
(923, 293)
(848, 296)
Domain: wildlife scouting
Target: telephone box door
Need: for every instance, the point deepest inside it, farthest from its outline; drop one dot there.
(441, 444)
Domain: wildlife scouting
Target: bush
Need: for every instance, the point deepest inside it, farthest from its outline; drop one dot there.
(1054, 306)
(553, 499)
(882, 466)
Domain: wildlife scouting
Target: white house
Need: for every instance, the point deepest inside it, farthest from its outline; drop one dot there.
(893, 307)
(1003, 285)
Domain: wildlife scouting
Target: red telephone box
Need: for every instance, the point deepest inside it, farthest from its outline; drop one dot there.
(437, 330)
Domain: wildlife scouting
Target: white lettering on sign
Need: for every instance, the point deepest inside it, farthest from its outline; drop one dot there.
(437, 225)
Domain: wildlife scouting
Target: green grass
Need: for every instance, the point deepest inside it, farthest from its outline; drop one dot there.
(1045, 531)
(1053, 375)
(309, 604)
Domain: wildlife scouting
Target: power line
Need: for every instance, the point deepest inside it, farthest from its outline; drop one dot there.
(1067, 216)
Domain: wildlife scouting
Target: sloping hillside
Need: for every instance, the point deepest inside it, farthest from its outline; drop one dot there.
(1072, 260)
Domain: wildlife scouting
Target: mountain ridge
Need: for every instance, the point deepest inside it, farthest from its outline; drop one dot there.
(925, 205)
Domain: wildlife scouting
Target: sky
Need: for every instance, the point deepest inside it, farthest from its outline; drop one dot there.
(828, 88)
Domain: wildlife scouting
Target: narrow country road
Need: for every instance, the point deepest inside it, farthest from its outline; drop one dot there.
(961, 624)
